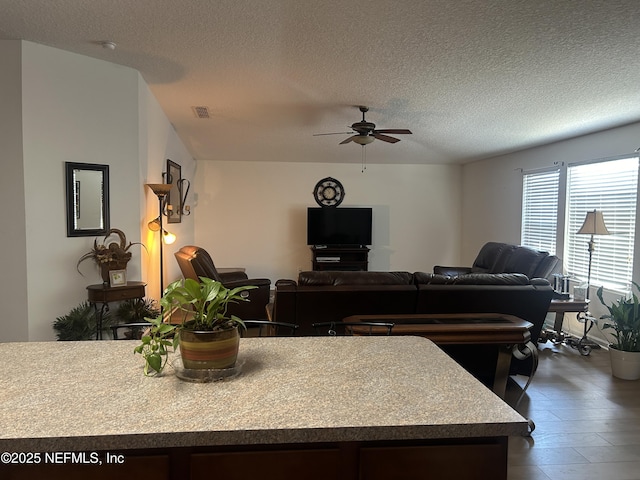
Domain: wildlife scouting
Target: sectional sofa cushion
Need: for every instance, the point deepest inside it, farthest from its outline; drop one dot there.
(335, 278)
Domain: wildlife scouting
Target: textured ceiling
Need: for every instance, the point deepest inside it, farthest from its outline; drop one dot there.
(470, 78)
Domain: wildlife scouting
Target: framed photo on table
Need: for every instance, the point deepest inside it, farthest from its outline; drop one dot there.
(117, 278)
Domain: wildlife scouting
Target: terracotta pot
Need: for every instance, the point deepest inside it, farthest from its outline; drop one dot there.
(625, 365)
(209, 350)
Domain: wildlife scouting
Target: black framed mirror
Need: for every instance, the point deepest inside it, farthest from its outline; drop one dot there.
(87, 186)
(173, 207)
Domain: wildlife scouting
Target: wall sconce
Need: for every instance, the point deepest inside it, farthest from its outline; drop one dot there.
(175, 204)
(184, 208)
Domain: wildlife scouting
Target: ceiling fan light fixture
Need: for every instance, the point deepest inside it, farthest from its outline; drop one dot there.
(363, 139)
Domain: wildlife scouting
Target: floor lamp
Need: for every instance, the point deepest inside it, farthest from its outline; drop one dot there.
(593, 225)
(161, 190)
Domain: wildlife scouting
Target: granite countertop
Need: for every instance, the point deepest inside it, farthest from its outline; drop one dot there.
(58, 396)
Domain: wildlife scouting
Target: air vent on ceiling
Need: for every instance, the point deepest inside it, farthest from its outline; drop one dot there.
(201, 112)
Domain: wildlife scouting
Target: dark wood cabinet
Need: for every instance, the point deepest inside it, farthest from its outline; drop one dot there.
(340, 258)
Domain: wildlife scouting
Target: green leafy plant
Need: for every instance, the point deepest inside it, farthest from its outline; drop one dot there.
(624, 319)
(79, 323)
(136, 310)
(204, 308)
(156, 345)
(207, 301)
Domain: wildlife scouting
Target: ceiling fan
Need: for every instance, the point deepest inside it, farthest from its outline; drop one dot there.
(365, 132)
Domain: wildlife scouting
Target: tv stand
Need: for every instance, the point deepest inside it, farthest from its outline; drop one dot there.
(336, 257)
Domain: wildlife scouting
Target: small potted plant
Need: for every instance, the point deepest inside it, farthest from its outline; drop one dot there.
(208, 337)
(624, 320)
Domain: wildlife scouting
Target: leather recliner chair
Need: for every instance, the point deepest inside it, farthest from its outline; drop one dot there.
(195, 262)
(496, 257)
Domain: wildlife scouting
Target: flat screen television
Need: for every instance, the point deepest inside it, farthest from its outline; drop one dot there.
(339, 226)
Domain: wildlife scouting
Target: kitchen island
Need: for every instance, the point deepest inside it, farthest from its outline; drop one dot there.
(333, 407)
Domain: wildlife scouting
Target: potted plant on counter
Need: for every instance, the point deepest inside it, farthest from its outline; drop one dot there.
(624, 320)
(208, 337)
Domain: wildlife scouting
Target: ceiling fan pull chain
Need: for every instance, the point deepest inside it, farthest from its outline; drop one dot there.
(364, 158)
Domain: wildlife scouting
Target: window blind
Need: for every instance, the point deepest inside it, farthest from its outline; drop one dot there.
(540, 210)
(611, 187)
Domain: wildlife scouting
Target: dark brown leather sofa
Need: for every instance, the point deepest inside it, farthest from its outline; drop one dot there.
(330, 296)
(496, 257)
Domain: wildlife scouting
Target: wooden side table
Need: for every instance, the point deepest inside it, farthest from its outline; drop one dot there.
(560, 307)
(103, 294)
(584, 345)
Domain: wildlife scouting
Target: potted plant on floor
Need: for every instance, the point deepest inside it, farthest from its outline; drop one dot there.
(79, 323)
(624, 320)
(208, 337)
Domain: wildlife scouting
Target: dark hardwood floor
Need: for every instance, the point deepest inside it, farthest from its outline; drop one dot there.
(587, 421)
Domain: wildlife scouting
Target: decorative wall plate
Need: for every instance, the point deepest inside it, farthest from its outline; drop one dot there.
(328, 192)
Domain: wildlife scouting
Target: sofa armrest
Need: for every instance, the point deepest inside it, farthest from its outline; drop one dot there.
(451, 271)
(258, 282)
(258, 299)
(232, 276)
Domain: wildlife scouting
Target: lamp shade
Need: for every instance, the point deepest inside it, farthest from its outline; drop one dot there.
(160, 189)
(594, 224)
(154, 225)
(168, 238)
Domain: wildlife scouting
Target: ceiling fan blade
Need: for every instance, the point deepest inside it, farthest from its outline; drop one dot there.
(393, 130)
(385, 138)
(350, 139)
(336, 133)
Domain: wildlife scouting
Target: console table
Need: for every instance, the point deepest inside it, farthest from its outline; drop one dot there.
(340, 258)
(103, 294)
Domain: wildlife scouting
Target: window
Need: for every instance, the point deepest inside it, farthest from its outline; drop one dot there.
(550, 221)
(610, 187)
(540, 210)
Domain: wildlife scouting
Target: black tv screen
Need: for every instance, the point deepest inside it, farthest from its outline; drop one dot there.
(339, 226)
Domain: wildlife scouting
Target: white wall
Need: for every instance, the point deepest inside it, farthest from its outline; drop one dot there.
(75, 109)
(13, 251)
(253, 214)
(62, 107)
(159, 142)
(493, 193)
